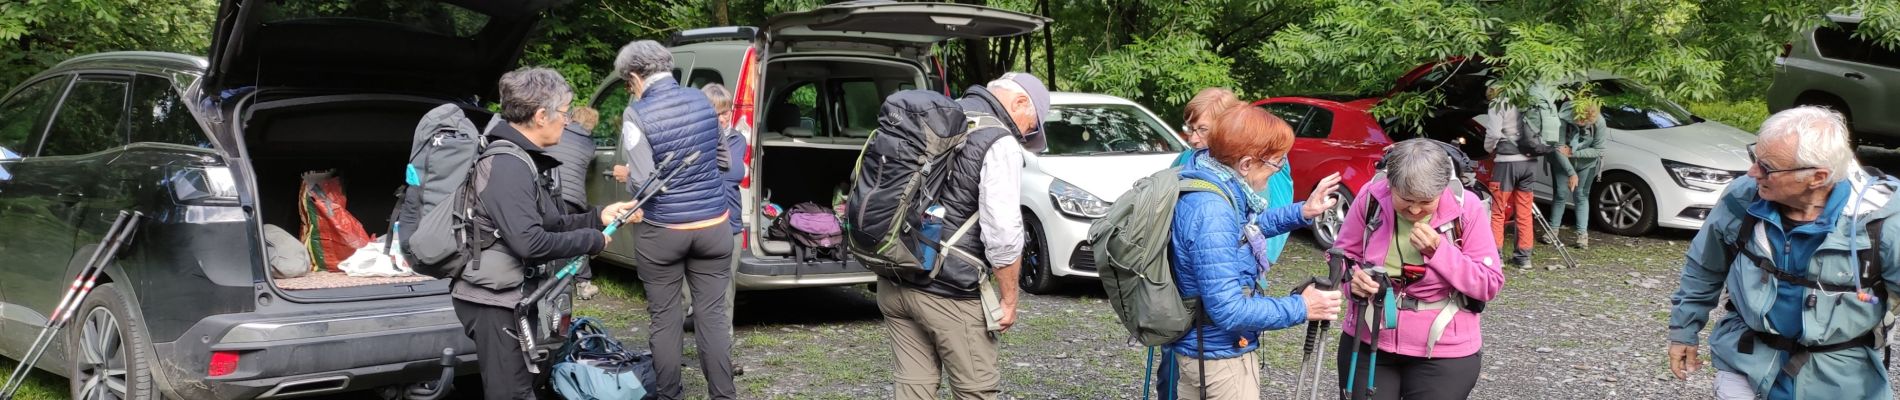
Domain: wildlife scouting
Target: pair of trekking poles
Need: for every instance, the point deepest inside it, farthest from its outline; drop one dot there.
(524, 310)
(1312, 366)
(116, 239)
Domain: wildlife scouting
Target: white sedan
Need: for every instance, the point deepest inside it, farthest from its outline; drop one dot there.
(1098, 146)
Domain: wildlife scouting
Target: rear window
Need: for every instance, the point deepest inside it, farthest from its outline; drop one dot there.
(1840, 43)
(429, 16)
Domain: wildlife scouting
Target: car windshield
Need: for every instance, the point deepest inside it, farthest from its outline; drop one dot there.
(1091, 129)
(1631, 107)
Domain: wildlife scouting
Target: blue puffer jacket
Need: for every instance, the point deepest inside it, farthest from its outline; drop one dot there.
(682, 122)
(1213, 262)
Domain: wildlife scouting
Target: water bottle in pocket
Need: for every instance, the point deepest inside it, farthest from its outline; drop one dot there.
(932, 237)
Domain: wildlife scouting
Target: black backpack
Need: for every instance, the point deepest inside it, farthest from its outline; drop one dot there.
(903, 167)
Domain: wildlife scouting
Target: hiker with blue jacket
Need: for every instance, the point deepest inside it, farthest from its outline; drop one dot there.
(1804, 249)
(683, 237)
(1200, 114)
(532, 226)
(1217, 244)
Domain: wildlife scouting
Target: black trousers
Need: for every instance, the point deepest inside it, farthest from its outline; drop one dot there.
(1410, 378)
(699, 260)
(504, 372)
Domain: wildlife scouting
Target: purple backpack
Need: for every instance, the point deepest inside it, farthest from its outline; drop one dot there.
(814, 231)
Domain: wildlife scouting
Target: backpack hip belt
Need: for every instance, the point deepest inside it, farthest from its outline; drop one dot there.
(1447, 307)
(1798, 354)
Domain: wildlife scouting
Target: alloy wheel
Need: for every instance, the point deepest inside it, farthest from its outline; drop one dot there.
(1621, 205)
(102, 361)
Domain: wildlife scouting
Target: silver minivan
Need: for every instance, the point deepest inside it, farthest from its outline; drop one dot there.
(1832, 66)
(808, 87)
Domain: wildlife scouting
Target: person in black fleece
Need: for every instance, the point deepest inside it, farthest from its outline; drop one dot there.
(518, 207)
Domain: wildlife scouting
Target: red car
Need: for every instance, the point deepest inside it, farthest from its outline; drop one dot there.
(1339, 135)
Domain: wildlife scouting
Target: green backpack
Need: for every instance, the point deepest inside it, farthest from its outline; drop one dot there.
(1132, 248)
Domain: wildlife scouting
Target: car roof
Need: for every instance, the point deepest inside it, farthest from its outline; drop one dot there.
(151, 62)
(1070, 98)
(1854, 18)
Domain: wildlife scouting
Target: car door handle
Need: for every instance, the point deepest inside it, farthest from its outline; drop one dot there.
(1854, 75)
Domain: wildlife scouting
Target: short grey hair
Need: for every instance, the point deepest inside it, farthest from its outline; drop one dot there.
(527, 90)
(643, 58)
(1418, 169)
(1820, 139)
(717, 94)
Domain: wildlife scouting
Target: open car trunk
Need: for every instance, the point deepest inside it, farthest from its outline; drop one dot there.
(364, 141)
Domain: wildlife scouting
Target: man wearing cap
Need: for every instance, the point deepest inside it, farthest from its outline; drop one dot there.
(944, 327)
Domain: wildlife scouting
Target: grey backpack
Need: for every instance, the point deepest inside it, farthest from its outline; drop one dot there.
(435, 222)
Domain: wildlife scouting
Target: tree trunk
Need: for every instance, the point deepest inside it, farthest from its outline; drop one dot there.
(1049, 45)
(721, 13)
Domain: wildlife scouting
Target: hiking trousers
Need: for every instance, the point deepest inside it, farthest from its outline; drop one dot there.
(701, 260)
(1512, 197)
(1580, 198)
(1231, 378)
(933, 335)
(497, 354)
(1407, 377)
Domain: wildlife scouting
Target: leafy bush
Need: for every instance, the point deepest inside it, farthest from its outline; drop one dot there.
(1745, 115)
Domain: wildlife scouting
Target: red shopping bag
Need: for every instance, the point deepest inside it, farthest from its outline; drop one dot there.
(331, 233)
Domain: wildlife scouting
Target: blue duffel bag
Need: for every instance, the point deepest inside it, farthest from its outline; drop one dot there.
(593, 366)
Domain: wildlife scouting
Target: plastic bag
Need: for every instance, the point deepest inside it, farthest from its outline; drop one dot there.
(331, 233)
(372, 261)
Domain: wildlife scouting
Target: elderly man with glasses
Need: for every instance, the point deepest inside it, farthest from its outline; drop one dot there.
(1804, 252)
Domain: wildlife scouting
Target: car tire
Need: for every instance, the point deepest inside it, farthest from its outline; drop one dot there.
(1623, 205)
(106, 345)
(1036, 276)
(1326, 226)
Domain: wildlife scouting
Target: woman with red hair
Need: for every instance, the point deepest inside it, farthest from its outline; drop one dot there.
(1218, 243)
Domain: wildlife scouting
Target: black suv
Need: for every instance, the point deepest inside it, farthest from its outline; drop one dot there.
(211, 151)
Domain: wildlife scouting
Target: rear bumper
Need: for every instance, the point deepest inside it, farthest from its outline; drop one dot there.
(756, 273)
(316, 354)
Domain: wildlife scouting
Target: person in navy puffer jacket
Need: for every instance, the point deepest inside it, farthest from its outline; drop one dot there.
(1218, 255)
(681, 235)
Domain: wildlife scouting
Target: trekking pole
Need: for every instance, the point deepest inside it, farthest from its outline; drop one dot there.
(1379, 315)
(115, 237)
(1555, 241)
(1316, 330)
(563, 276)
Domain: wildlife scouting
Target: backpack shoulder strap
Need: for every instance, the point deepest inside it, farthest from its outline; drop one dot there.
(1871, 262)
(1200, 185)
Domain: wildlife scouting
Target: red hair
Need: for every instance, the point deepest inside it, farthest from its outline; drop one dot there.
(1248, 132)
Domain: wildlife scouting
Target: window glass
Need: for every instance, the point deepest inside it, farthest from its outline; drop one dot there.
(861, 102)
(1319, 124)
(1629, 107)
(436, 17)
(91, 119)
(22, 115)
(796, 109)
(1296, 116)
(160, 116)
(1106, 129)
(702, 76)
(1840, 43)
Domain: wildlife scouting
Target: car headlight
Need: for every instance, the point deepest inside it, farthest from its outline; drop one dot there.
(1076, 202)
(1699, 178)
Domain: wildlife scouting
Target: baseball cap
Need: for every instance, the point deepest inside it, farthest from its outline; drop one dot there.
(1039, 97)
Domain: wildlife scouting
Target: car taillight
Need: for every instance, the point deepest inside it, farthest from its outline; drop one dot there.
(222, 363)
(567, 321)
(1786, 49)
(745, 109)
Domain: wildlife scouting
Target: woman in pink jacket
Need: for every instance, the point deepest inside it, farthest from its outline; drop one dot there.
(1441, 267)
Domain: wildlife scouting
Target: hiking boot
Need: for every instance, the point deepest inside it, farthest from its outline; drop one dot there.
(1522, 259)
(1547, 240)
(586, 290)
(1583, 240)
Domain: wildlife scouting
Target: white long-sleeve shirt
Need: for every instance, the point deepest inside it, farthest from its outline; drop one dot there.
(999, 208)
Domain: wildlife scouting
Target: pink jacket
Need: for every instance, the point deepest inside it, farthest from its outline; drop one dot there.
(1472, 270)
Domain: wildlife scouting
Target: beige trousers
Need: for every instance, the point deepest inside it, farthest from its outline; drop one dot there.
(932, 336)
(1233, 378)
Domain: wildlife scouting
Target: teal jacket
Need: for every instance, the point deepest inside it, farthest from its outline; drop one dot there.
(1856, 373)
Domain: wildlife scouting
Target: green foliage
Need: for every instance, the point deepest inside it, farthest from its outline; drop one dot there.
(1167, 69)
(36, 34)
(1745, 115)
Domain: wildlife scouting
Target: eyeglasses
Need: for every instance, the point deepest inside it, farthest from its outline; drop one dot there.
(1277, 164)
(1190, 130)
(1763, 164)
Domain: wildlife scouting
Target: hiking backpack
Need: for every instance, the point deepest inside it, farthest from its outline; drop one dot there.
(1132, 250)
(435, 224)
(592, 365)
(905, 165)
(1871, 279)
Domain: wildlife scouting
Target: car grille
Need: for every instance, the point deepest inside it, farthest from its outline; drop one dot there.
(1083, 259)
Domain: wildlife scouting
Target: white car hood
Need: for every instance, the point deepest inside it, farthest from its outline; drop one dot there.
(1105, 176)
(1708, 144)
